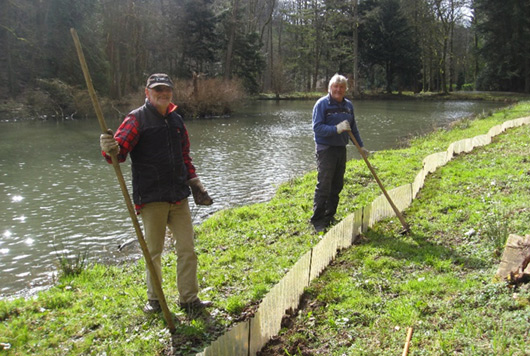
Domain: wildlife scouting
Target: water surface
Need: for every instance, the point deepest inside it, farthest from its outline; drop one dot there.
(58, 197)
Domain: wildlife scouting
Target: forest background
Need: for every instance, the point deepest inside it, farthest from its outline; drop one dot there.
(242, 47)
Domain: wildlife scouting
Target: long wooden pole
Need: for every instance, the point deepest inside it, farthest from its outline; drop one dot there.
(149, 262)
(394, 207)
(407, 342)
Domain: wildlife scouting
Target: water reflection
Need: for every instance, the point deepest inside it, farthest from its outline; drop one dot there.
(59, 198)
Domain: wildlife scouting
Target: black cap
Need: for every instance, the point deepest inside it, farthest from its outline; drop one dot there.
(158, 79)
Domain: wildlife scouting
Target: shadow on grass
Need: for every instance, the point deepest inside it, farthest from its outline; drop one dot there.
(193, 332)
(419, 249)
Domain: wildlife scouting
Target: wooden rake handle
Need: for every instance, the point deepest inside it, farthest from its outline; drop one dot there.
(99, 113)
(394, 207)
(407, 342)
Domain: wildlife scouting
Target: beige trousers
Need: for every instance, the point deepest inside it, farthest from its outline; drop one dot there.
(156, 216)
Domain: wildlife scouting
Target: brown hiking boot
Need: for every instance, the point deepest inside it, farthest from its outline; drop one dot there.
(196, 305)
(152, 306)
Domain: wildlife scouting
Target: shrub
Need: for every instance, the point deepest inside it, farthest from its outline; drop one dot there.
(207, 97)
(468, 87)
(54, 97)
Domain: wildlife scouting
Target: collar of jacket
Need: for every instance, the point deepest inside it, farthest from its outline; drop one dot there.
(333, 101)
(171, 107)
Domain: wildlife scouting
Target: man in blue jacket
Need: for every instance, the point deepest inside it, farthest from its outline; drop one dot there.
(333, 117)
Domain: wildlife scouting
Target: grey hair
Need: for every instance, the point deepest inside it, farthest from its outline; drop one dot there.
(339, 79)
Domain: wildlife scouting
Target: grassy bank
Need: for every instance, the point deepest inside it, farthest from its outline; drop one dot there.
(439, 280)
(243, 252)
(408, 95)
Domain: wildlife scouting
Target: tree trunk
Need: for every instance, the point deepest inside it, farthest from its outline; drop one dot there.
(356, 84)
(389, 75)
(527, 75)
(443, 64)
(231, 39)
(271, 57)
(451, 43)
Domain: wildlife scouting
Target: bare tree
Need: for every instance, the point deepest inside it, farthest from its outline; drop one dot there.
(231, 39)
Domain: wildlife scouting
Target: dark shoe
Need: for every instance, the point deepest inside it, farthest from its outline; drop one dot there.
(318, 225)
(152, 306)
(332, 222)
(196, 305)
(320, 228)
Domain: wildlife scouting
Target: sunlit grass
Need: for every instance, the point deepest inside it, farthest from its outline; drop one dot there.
(366, 299)
(439, 279)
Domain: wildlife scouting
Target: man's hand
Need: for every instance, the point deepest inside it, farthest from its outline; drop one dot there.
(343, 126)
(366, 152)
(200, 195)
(108, 143)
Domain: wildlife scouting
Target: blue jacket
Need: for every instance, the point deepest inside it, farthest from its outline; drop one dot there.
(327, 113)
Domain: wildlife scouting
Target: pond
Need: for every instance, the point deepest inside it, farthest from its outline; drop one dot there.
(59, 198)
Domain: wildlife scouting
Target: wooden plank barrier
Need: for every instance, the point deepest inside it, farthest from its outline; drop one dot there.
(247, 338)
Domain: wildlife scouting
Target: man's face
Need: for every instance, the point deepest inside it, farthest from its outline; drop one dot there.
(160, 96)
(337, 91)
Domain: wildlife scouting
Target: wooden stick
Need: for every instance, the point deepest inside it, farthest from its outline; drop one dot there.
(407, 342)
(156, 281)
(396, 210)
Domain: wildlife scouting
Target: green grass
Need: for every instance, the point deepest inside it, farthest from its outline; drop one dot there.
(438, 279)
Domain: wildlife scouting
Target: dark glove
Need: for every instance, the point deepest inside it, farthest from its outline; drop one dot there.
(200, 195)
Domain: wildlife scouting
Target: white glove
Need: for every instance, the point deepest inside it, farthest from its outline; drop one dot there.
(108, 143)
(343, 126)
(366, 152)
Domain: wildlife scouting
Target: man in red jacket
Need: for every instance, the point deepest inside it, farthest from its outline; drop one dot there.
(162, 174)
